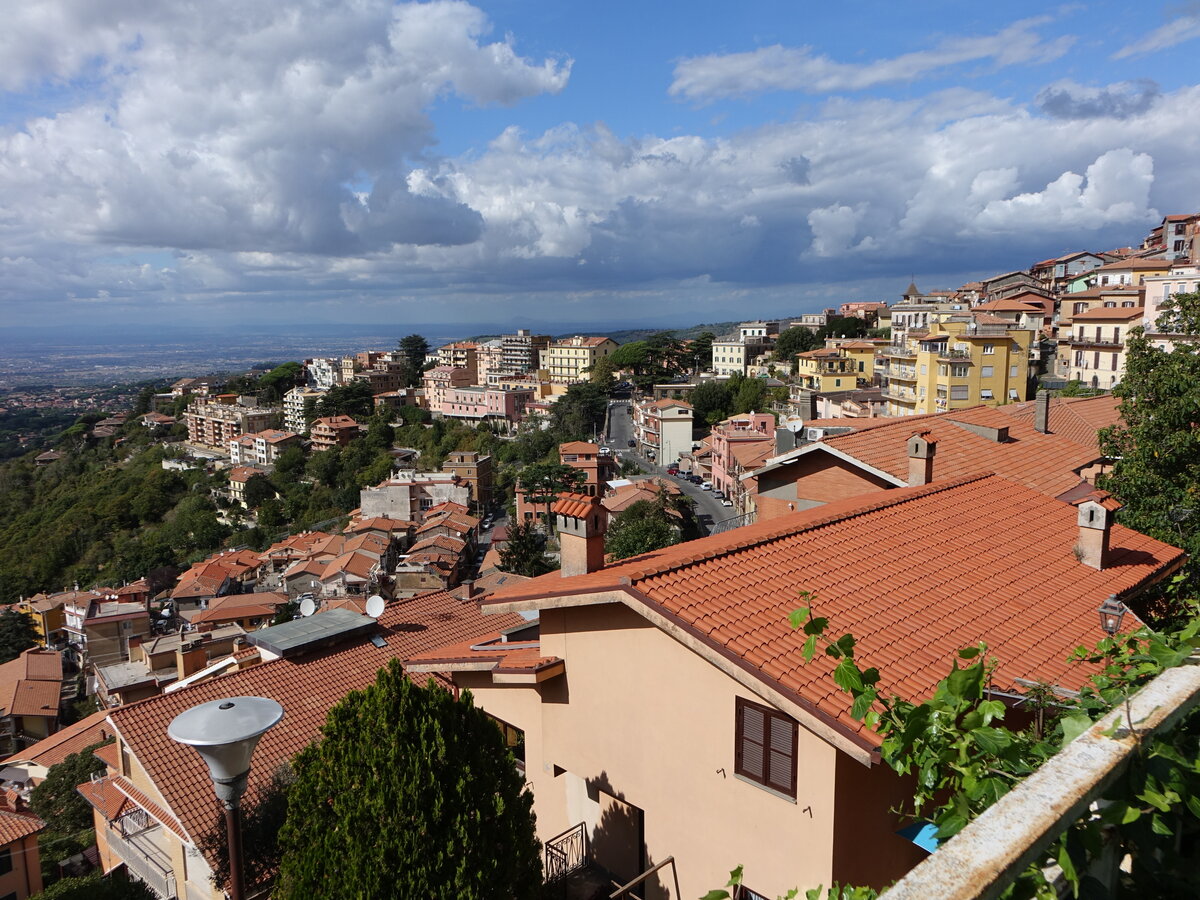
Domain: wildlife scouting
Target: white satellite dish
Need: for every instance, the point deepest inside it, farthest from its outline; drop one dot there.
(307, 606)
(375, 606)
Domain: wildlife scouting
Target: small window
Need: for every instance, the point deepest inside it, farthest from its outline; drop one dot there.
(985, 394)
(989, 349)
(987, 372)
(765, 747)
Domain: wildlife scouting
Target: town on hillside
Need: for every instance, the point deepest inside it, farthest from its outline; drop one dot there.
(613, 548)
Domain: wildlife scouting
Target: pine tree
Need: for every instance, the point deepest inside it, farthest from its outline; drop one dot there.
(408, 793)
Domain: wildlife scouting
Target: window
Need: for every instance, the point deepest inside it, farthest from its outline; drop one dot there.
(6, 865)
(765, 747)
(1012, 371)
(960, 371)
(989, 349)
(987, 372)
(985, 394)
(959, 392)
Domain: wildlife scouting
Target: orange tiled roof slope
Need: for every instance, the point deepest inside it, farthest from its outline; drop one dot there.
(1046, 462)
(517, 656)
(15, 825)
(946, 573)
(72, 739)
(31, 684)
(1077, 419)
(306, 686)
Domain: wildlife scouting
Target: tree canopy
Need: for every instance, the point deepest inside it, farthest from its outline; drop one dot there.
(1156, 445)
(524, 553)
(409, 792)
(56, 801)
(17, 634)
(415, 348)
(641, 527)
(354, 399)
(796, 339)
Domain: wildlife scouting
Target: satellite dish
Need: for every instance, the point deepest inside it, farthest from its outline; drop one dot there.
(307, 607)
(374, 606)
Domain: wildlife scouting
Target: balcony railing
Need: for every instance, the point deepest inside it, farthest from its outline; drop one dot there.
(566, 853)
(948, 353)
(895, 394)
(900, 353)
(145, 860)
(1099, 342)
(903, 373)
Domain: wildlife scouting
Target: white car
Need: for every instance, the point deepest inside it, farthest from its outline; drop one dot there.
(706, 486)
(727, 502)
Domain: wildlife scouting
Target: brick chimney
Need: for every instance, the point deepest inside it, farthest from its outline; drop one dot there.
(921, 450)
(582, 523)
(469, 589)
(1095, 517)
(1041, 412)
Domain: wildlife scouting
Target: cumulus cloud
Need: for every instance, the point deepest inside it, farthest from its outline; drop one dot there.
(778, 68)
(1068, 100)
(1183, 28)
(251, 126)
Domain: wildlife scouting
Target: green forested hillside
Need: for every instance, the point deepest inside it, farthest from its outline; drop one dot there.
(107, 512)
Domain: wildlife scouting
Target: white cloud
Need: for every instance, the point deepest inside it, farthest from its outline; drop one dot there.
(1183, 28)
(1068, 100)
(778, 68)
(250, 126)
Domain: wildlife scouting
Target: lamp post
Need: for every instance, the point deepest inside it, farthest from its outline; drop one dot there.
(1112, 611)
(225, 733)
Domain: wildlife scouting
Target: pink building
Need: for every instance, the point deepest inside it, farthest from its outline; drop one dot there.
(746, 428)
(490, 404)
(439, 381)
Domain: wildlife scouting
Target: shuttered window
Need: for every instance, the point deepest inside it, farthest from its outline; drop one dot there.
(765, 747)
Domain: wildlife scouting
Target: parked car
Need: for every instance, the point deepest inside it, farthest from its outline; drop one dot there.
(695, 479)
(727, 502)
(706, 486)
(719, 495)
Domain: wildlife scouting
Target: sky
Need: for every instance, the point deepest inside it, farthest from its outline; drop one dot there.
(559, 163)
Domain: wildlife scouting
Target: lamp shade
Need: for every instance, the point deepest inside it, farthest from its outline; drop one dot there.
(225, 732)
(1112, 611)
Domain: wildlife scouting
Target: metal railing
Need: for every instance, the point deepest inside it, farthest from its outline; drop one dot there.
(145, 860)
(566, 853)
(626, 890)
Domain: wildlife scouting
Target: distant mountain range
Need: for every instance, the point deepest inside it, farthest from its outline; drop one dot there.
(629, 335)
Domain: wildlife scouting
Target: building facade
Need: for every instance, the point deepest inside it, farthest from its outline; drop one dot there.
(570, 361)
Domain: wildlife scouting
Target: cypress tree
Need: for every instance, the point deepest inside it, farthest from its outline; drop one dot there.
(408, 793)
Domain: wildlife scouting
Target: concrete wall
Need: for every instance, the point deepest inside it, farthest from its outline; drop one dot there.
(25, 879)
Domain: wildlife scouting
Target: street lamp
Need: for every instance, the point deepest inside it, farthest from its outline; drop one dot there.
(1112, 611)
(225, 733)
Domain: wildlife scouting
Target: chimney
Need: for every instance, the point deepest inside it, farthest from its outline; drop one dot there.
(1041, 414)
(1095, 525)
(921, 450)
(582, 523)
(806, 407)
(468, 589)
(785, 440)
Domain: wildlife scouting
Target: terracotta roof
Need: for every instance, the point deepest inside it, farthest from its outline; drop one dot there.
(104, 797)
(440, 542)
(306, 686)
(31, 684)
(750, 454)
(72, 739)
(578, 447)
(229, 613)
(488, 652)
(34, 698)
(243, 473)
(1105, 313)
(1009, 304)
(357, 564)
(859, 345)
(379, 523)
(1077, 419)
(1093, 292)
(1045, 462)
(445, 505)
(578, 506)
(336, 422)
(1141, 263)
(946, 573)
(109, 754)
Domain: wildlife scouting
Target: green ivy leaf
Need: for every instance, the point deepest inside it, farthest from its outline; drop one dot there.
(1073, 726)
(968, 653)
(992, 740)
(797, 617)
(847, 675)
(1068, 868)
(810, 647)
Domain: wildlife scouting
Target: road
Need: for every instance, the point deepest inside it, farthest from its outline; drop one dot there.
(620, 432)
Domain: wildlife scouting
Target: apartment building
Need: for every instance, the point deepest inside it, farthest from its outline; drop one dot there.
(829, 370)
(214, 423)
(570, 360)
(475, 472)
(383, 380)
(1184, 278)
(663, 429)
(30, 699)
(332, 431)
(295, 401)
(20, 855)
(489, 362)
(963, 361)
(476, 403)
(438, 383)
(324, 373)
(46, 612)
(409, 494)
(263, 448)
(521, 353)
(735, 443)
(99, 628)
(461, 355)
(1097, 344)
(1133, 271)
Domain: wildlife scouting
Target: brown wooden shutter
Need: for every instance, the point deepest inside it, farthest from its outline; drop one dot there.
(765, 746)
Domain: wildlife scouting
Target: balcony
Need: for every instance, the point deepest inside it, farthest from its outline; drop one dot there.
(144, 858)
(948, 353)
(1075, 341)
(902, 373)
(899, 353)
(899, 394)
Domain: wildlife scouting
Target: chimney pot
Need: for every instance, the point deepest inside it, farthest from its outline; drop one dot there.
(1041, 414)
(1095, 528)
(921, 450)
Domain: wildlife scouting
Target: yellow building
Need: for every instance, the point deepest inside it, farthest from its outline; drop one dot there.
(827, 370)
(46, 612)
(966, 360)
(570, 360)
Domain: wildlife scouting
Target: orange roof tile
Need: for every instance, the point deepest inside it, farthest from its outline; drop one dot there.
(578, 447)
(1077, 419)
(946, 573)
(72, 739)
(306, 686)
(577, 506)
(487, 652)
(16, 825)
(109, 754)
(104, 797)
